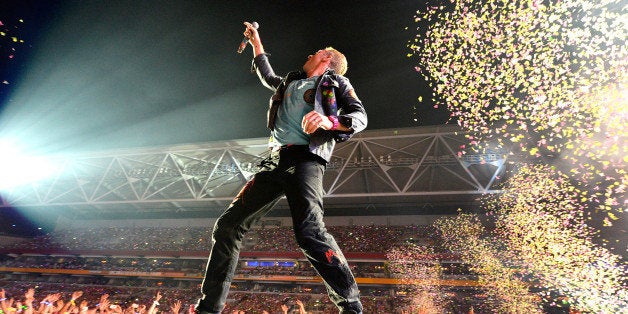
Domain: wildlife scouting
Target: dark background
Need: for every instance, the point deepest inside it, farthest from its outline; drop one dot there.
(94, 75)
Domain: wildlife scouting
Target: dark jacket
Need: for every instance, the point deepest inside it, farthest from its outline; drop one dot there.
(334, 96)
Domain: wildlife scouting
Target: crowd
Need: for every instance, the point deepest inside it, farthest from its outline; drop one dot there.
(106, 263)
(181, 265)
(17, 297)
(353, 238)
(123, 239)
(190, 239)
(49, 298)
(86, 299)
(59, 293)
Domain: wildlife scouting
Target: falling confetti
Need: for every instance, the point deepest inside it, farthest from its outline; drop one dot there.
(9, 41)
(540, 220)
(520, 68)
(501, 280)
(418, 274)
(545, 79)
(538, 78)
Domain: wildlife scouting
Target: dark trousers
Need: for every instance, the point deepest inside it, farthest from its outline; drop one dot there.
(297, 174)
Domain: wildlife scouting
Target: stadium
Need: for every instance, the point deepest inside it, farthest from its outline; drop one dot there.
(491, 177)
(134, 222)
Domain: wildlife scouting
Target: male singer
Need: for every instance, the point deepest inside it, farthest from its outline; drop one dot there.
(309, 111)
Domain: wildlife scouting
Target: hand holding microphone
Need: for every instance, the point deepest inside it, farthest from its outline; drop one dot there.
(249, 33)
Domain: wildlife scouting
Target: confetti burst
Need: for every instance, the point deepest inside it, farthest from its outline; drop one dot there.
(540, 220)
(501, 280)
(599, 158)
(418, 273)
(542, 78)
(546, 79)
(515, 70)
(541, 241)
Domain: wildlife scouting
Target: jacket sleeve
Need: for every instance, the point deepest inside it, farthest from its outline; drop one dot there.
(351, 112)
(265, 72)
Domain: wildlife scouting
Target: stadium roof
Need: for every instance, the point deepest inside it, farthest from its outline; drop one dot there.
(416, 170)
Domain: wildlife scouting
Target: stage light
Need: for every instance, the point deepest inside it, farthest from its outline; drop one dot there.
(18, 167)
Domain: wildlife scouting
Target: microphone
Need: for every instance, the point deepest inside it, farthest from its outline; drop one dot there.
(245, 40)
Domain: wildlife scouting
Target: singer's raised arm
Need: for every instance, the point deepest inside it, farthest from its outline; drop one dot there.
(253, 35)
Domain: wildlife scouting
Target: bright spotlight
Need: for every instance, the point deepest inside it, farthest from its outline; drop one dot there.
(19, 168)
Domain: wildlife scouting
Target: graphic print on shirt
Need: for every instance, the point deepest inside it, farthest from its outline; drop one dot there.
(308, 96)
(288, 129)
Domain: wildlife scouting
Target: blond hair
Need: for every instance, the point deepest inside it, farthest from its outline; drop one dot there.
(338, 61)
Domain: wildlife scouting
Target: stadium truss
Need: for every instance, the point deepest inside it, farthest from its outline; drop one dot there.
(415, 167)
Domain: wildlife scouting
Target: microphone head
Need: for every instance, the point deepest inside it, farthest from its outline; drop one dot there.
(255, 25)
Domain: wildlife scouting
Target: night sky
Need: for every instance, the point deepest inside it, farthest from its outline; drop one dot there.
(99, 75)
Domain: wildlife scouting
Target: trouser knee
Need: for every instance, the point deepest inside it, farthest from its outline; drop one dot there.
(310, 239)
(226, 230)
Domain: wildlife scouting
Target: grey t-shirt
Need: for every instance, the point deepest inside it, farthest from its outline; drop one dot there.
(298, 100)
